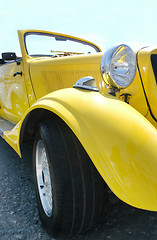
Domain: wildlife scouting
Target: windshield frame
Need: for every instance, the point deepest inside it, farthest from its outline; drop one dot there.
(59, 37)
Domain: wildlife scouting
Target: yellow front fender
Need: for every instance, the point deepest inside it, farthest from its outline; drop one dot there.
(121, 142)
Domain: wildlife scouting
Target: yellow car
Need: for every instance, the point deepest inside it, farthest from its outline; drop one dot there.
(91, 118)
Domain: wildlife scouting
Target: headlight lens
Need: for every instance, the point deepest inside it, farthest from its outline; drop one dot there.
(118, 66)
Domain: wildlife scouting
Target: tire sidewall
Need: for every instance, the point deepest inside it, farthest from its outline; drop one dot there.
(47, 221)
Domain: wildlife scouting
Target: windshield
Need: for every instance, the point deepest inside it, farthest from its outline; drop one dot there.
(45, 44)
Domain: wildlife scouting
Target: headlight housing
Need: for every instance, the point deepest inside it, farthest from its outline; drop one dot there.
(118, 66)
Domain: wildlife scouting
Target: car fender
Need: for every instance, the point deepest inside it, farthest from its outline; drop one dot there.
(121, 143)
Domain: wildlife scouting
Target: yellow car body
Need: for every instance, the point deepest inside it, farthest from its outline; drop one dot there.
(118, 132)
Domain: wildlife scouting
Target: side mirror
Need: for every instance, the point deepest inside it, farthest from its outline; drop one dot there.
(7, 56)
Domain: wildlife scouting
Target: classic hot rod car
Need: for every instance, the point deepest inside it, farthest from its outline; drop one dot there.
(91, 118)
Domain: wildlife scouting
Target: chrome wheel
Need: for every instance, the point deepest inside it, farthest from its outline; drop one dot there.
(44, 178)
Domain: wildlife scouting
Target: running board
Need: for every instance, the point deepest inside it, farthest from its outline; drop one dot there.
(5, 125)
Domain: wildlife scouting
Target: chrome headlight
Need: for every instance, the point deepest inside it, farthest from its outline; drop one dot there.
(118, 66)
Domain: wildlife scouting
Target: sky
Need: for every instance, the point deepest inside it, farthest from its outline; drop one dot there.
(104, 22)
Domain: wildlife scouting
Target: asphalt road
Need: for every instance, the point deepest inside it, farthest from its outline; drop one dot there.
(19, 218)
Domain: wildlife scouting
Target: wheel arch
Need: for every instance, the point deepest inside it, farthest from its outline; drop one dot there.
(31, 123)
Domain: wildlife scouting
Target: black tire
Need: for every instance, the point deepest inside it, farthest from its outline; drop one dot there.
(77, 187)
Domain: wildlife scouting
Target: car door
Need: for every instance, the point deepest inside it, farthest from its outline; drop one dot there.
(13, 95)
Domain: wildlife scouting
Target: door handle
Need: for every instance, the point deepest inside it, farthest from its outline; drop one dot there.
(17, 73)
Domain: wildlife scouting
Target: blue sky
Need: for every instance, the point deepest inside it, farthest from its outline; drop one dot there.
(105, 22)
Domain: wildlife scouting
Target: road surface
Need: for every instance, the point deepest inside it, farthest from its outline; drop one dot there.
(19, 218)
